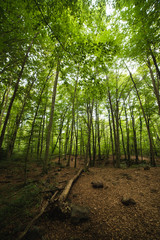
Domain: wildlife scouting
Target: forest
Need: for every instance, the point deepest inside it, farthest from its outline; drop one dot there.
(79, 95)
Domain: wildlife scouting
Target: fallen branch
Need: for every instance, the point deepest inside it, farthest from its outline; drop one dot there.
(37, 216)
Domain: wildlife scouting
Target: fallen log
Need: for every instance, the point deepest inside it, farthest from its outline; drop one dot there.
(67, 189)
(61, 199)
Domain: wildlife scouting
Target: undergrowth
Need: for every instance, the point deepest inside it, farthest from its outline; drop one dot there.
(18, 207)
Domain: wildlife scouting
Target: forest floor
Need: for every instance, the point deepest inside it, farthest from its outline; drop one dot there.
(109, 219)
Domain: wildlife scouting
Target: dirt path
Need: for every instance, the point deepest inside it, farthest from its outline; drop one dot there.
(109, 218)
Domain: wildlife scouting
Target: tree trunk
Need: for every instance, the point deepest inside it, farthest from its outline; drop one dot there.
(134, 135)
(98, 133)
(39, 138)
(141, 148)
(124, 149)
(15, 92)
(73, 119)
(111, 135)
(128, 139)
(155, 64)
(49, 128)
(18, 120)
(4, 102)
(93, 145)
(152, 158)
(155, 86)
(76, 136)
(60, 130)
(60, 141)
(88, 150)
(67, 139)
(117, 128)
(43, 127)
(113, 122)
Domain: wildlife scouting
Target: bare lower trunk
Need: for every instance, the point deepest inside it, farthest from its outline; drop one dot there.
(49, 128)
(111, 135)
(18, 120)
(152, 158)
(98, 133)
(124, 149)
(73, 119)
(134, 135)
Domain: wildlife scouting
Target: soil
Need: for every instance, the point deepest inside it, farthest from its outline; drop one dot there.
(109, 218)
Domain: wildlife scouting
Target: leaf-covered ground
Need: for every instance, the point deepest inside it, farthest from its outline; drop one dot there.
(109, 218)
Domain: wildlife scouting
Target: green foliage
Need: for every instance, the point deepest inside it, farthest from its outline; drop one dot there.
(92, 46)
(20, 204)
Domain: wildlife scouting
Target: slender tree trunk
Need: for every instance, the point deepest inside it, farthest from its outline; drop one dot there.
(98, 133)
(67, 139)
(43, 127)
(60, 130)
(76, 136)
(4, 102)
(73, 119)
(155, 85)
(88, 152)
(105, 143)
(152, 158)
(124, 149)
(117, 128)
(155, 64)
(59, 158)
(128, 140)
(18, 120)
(111, 135)
(49, 128)
(39, 138)
(141, 148)
(113, 122)
(35, 117)
(134, 135)
(93, 145)
(3, 99)
(82, 150)
(15, 92)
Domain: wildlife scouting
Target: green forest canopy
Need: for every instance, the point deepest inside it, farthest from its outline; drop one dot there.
(79, 77)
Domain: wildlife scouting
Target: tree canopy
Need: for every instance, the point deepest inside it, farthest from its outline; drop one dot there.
(79, 78)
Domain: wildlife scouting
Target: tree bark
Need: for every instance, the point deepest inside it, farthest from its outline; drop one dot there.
(43, 127)
(128, 140)
(73, 119)
(155, 86)
(152, 158)
(67, 139)
(114, 125)
(117, 128)
(15, 92)
(67, 189)
(76, 136)
(141, 147)
(18, 120)
(124, 149)
(98, 133)
(49, 128)
(60, 130)
(134, 134)
(93, 145)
